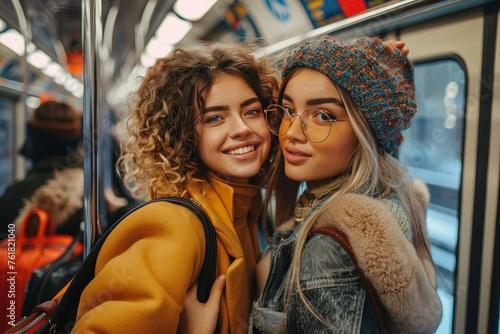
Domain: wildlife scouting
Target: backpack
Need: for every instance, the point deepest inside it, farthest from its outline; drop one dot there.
(59, 314)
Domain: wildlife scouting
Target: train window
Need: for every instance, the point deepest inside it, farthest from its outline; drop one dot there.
(432, 150)
(7, 152)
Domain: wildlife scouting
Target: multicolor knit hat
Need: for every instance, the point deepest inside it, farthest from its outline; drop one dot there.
(378, 77)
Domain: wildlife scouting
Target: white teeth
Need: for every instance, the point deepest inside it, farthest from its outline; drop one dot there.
(241, 150)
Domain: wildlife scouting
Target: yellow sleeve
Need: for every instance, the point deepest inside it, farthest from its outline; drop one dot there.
(143, 272)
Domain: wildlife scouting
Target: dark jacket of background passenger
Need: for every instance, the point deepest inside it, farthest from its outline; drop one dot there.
(17, 195)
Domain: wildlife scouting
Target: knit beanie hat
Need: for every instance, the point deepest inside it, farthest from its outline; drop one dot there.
(53, 130)
(378, 77)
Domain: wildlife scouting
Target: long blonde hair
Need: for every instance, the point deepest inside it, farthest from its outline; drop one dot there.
(369, 168)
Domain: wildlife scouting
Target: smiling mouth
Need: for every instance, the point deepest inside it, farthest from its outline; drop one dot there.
(241, 150)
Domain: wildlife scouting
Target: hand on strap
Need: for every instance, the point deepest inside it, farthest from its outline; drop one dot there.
(199, 318)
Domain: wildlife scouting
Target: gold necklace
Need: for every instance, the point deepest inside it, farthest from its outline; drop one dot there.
(311, 196)
(385, 193)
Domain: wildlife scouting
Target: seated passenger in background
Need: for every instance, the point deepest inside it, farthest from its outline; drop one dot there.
(116, 196)
(55, 182)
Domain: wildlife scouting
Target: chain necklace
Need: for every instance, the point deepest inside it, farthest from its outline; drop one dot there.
(311, 196)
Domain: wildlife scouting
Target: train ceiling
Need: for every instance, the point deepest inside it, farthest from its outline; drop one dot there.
(56, 25)
(127, 26)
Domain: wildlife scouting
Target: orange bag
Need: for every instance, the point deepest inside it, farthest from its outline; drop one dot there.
(34, 246)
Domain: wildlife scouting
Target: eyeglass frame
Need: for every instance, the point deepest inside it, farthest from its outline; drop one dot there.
(302, 123)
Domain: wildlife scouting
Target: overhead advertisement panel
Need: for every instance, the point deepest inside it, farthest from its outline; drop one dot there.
(323, 12)
(276, 20)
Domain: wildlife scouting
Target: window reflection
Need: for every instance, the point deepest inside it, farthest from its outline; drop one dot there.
(7, 154)
(433, 152)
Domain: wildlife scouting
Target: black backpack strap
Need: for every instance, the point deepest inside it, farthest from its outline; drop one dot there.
(65, 314)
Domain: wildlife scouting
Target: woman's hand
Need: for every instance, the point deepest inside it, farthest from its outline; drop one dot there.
(113, 202)
(199, 318)
(400, 45)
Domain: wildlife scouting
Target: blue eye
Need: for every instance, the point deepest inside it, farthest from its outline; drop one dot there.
(254, 112)
(213, 119)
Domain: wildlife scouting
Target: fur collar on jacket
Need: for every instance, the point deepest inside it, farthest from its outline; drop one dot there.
(400, 272)
(61, 196)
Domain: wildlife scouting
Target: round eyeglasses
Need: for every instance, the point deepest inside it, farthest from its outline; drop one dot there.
(316, 124)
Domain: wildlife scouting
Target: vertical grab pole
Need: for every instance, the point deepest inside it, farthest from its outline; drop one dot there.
(91, 32)
(25, 30)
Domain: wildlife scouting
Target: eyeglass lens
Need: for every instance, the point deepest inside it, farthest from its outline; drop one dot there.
(315, 123)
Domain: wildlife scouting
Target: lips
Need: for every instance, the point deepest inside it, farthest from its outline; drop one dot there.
(241, 150)
(295, 156)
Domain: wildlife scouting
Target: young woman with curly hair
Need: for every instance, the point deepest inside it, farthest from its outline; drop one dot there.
(197, 131)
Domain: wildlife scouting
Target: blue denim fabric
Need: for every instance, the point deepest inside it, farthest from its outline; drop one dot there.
(330, 282)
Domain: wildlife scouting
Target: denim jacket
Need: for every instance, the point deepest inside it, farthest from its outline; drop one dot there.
(402, 278)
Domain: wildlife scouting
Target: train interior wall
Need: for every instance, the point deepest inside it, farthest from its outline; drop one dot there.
(453, 145)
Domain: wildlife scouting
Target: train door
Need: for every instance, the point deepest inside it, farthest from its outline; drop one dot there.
(453, 145)
(493, 239)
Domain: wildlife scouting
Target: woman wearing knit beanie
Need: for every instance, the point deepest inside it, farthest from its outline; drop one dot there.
(356, 258)
(340, 113)
(55, 182)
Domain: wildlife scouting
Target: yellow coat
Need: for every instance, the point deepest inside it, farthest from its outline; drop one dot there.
(150, 260)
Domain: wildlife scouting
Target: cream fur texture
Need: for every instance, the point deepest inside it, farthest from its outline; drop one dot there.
(61, 196)
(404, 281)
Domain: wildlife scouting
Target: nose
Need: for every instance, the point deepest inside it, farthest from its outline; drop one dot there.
(296, 129)
(239, 128)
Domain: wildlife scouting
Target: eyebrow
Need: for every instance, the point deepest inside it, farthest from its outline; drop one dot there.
(226, 107)
(319, 100)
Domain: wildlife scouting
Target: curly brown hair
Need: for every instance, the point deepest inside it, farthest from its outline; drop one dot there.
(159, 158)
